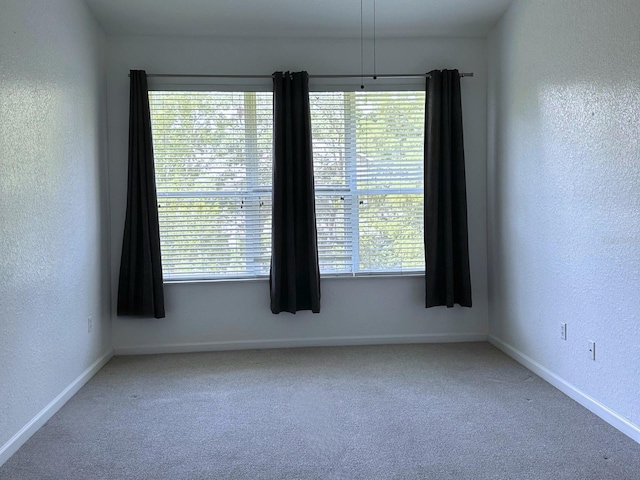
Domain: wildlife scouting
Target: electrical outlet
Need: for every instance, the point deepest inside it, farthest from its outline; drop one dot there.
(592, 350)
(563, 331)
(90, 324)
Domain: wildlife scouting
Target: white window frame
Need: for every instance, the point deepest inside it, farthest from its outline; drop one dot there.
(324, 85)
(381, 84)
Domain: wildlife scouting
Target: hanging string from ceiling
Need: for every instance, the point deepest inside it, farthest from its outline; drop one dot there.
(361, 75)
(361, 47)
(375, 77)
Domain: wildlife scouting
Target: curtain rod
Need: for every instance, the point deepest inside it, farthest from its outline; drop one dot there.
(391, 75)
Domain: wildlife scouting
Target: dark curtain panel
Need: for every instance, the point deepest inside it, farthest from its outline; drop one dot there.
(295, 274)
(448, 279)
(140, 289)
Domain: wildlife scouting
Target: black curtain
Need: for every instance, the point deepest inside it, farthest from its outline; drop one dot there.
(140, 289)
(295, 275)
(448, 279)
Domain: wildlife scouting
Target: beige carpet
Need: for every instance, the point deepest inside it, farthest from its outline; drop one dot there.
(456, 411)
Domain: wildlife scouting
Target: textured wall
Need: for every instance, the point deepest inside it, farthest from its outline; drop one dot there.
(360, 307)
(564, 191)
(52, 243)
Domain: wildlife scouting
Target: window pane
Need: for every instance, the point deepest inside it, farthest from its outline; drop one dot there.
(335, 233)
(390, 145)
(330, 126)
(213, 175)
(368, 150)
(391, 232)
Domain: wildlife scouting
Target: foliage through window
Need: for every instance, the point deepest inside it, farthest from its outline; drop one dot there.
(213, 159)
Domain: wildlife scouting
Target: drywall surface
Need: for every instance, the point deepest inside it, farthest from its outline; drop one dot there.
(53, 262)
(564, 192)
(353, 309)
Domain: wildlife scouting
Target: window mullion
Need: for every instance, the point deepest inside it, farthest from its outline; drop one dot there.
(351, 156)
(251, 165)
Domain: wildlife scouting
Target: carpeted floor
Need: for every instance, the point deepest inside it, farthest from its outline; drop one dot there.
(456, 411)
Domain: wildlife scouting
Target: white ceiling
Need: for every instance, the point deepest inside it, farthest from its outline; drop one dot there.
(298, 18)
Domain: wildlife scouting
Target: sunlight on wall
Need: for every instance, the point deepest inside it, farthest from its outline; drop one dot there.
(595, 129)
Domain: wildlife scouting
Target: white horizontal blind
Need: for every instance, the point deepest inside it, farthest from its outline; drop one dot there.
(213, 159)
(331, 124)
(213, 163)
(368, 164)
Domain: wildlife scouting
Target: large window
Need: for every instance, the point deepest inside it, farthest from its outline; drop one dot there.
(213, 173)
(368, 165)
(213, 177)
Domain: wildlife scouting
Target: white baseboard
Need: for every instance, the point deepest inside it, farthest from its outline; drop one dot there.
(47, 412)
(590, 403)
(298, 342)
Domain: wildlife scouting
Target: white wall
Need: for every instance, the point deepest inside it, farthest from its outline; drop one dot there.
(236, 314)
(53, 252)
(564, 193)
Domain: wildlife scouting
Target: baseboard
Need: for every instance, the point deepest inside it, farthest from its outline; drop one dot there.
(298, 342)
(47, 412)
(605, 413)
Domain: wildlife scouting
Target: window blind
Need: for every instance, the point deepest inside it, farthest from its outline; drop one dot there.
(368, 164)
(213, 166)
(213, 160)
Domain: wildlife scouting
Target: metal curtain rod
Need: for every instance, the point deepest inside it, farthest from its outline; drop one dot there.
(391, 75)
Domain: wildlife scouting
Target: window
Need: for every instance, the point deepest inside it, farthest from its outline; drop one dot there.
(368, 166)
(213, 174)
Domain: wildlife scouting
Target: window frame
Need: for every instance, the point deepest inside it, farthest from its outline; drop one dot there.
(207, 84)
